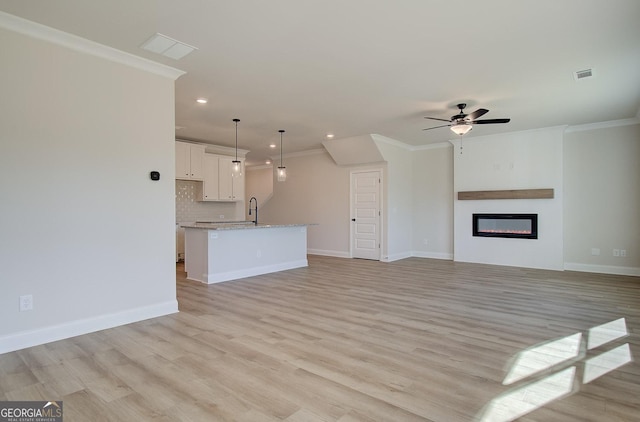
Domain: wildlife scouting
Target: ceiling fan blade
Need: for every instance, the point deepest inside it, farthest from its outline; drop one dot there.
(479, 112)
(435, 118)
(490, 121)
(436, 127)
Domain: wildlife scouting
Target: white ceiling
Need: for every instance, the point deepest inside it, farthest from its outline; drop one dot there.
(355, 67)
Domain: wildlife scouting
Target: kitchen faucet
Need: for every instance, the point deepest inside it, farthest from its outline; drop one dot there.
(253, 198)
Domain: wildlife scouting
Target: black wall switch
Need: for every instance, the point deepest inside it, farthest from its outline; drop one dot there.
(155, 175)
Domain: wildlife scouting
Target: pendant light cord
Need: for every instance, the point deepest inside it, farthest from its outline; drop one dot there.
(281, 132)
(236, 121)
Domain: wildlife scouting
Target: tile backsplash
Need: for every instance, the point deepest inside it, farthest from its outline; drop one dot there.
(189, 209)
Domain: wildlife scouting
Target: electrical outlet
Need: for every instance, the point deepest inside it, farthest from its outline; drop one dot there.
(221, 216)
(426, 242)
(623, 252)
(616, 252)
(26, 303)
(595, 251)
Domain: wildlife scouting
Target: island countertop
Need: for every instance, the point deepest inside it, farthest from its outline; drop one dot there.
(237, 225)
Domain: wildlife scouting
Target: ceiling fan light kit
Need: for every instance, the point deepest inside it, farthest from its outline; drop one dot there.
(461, 129)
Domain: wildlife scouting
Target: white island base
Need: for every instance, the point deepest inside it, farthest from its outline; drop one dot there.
(221, 253)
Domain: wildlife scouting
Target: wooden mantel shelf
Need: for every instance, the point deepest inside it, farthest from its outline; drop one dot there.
(506, 194)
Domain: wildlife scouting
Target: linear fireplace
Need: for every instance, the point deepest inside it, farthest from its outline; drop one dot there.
(521, 226)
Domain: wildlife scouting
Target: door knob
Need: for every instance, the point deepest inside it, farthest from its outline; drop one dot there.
(353, 219)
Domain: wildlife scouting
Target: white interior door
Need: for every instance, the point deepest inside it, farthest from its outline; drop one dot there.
(365, 214)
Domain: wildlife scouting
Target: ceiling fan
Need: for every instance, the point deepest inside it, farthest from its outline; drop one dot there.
(462, 123)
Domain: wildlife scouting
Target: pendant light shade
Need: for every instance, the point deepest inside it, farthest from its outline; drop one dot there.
(282, 174)
(236, 165)
(461, 129)
(282, 170)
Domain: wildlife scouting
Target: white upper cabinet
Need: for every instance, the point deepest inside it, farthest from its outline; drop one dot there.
(218, 184)
(189, 161)
(210, 191)
(231, 188)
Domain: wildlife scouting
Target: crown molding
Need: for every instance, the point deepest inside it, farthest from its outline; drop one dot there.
(437, 145)
(299, 154)
(391, 141)
(558, 130)
(216, 149)
(82, 45)
(408, 147)
(260, 167)
(604, 125)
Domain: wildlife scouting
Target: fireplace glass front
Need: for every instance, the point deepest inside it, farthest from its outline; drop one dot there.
(522, 226)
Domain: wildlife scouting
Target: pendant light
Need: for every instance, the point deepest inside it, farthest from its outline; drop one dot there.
(236, 165)
(282, 170)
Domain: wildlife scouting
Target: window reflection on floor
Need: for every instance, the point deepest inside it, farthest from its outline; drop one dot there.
(606, 362)
(606, 333)
(526, 399)
(537, 359)
(564, 354)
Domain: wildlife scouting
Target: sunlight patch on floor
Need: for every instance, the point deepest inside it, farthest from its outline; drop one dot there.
(537, 359)
(559, 354)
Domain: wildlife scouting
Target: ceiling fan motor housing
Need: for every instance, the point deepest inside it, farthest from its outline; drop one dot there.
(460, 115)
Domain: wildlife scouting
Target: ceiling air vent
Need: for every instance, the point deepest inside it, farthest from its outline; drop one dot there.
(168, 47)
(583, 74)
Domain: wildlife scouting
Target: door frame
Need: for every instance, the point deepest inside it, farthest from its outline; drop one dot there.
(352, 173)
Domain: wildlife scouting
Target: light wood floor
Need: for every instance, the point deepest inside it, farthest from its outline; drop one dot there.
(351, 340)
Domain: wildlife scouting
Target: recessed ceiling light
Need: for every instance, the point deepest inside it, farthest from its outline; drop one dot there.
(330, 135)
(268, 162)
(202, 100)
(272, 145)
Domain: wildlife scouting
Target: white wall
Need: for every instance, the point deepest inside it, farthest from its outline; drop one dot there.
(83, 228)
(259, 183)
(519, 160)
(316, 191)
(398, 199)
(602, 198)
(432, 183)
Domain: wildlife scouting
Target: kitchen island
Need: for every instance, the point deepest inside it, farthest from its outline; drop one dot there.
(216, 252)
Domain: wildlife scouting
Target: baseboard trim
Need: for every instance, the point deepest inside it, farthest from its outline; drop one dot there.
(323, 252)
(432, 255)
(249, 272)
(396, 257)
(602, 269)
(48, 334)
(567, 266)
